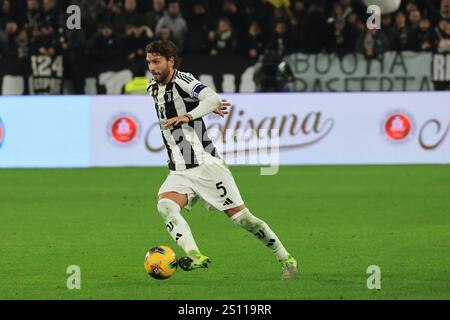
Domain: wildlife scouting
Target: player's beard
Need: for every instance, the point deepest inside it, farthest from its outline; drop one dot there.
(163, 75)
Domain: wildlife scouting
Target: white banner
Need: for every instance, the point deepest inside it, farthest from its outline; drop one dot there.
(261, 129)
(392, 71)
(44, 131)
(123, 131)
(358, 128)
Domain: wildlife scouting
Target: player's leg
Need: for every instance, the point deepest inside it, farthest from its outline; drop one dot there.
(172, 197)
(169, 207)
(242, 216)
(217, 187)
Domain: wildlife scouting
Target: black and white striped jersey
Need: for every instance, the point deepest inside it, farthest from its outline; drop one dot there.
(187, 145)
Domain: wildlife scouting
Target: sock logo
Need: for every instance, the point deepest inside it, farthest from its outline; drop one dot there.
(178, 236)
(227, 202)
(260, 234)
(169, 226)
(271, 242)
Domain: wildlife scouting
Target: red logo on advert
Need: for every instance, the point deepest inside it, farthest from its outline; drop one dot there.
(398, 126)
(124, 129)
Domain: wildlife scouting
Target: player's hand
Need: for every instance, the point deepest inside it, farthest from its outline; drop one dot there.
(177, 120)
(222, 109)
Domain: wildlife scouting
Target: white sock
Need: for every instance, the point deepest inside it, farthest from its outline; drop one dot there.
(262, 231)
(176, 225)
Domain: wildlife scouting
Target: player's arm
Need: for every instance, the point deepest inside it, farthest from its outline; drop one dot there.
(209, 101)
(208, 106)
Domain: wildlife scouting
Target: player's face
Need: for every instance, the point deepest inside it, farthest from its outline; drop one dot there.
(160, 67)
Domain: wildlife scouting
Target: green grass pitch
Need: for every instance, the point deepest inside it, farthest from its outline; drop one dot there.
(337, 220)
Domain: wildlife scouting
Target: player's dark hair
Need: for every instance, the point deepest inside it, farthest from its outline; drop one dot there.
(165, 48)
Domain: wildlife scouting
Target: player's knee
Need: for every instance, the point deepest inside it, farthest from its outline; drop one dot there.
(167, 207)
(248, 221)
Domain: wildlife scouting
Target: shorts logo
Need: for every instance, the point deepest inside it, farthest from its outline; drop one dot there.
(124, 129)
(2, 133)
(398, 126)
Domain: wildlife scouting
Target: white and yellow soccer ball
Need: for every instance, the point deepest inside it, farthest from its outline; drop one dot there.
(160, 262)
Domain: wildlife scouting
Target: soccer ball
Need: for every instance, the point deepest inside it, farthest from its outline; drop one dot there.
(160, 262)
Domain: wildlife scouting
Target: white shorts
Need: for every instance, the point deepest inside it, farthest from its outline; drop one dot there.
(212, 182)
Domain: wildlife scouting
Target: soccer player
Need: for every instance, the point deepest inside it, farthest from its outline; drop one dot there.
(196, 168)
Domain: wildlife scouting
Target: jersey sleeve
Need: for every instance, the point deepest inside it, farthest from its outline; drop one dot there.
(189, 84)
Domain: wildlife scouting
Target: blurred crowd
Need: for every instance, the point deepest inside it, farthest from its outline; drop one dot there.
(114, 28)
